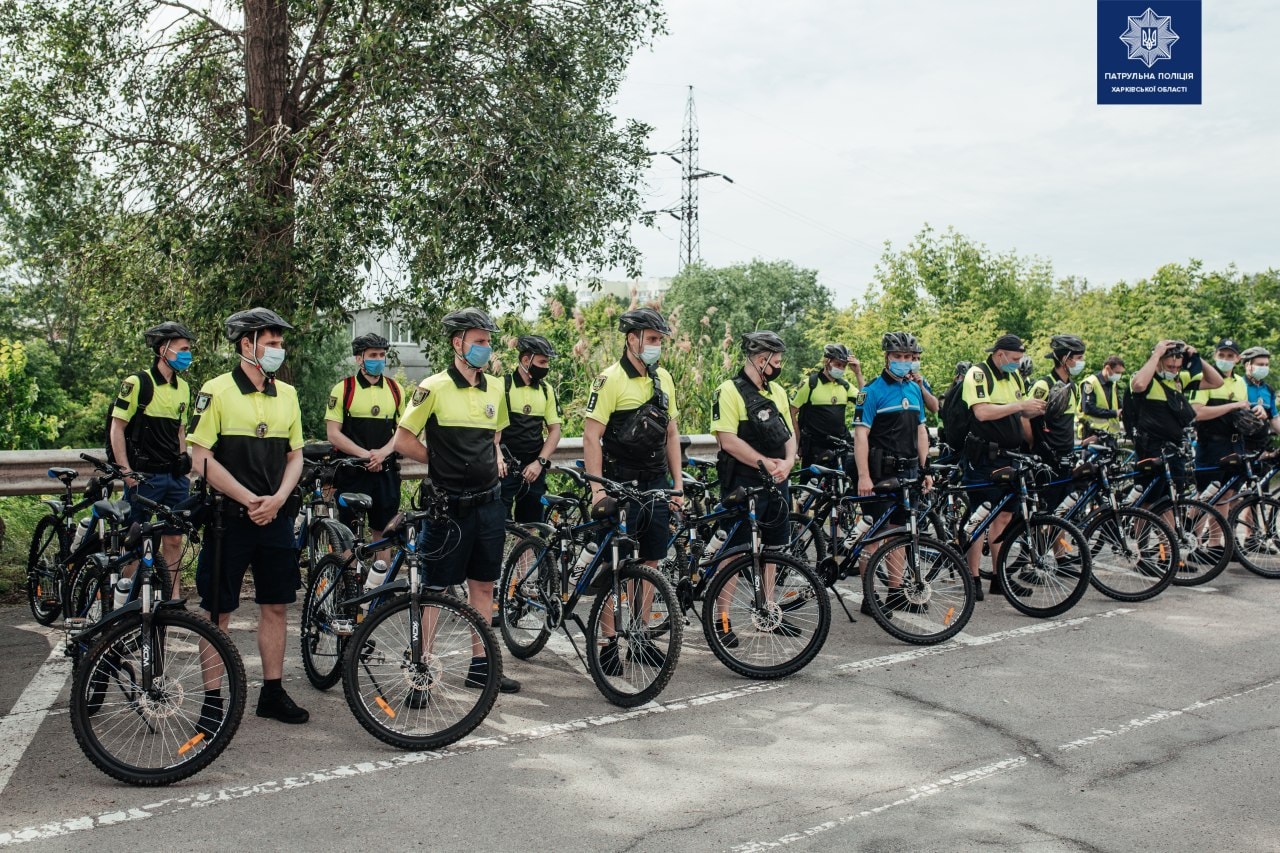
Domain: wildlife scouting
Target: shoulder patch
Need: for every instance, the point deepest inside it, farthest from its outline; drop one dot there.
(599, 382)
(202, 402)
(419, 395)
(1040, 392)
(978, 375)
(333, 401)
(860, 399)
(715, 405)
(126, 388)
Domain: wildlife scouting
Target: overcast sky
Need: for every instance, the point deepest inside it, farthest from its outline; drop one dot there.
(845, 124)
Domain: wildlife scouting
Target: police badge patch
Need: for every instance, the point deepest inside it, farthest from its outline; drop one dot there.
(126, 388)
(599, 383)
(527, 408)
(490, 410)
(261, 430)
(374, 411)
(860, 399)
(420, 395)
(202, 402)
(1040, 392)
(333, 402)
(833, 399)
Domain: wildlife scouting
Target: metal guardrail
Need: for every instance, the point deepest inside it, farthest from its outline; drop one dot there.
(26, 472)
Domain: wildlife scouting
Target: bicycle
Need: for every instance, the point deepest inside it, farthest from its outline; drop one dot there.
(1253, 516)
(142, 700)
(765, 613)
(544, 580)
(407, 670)
(317, 530)
(54, 557)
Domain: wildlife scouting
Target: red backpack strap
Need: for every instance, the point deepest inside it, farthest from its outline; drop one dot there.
(395, 394)
(348, 395)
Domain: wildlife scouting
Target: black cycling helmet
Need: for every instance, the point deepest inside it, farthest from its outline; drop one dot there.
(1058, 399)
(243, 323)
(1247, 423)
(962, 367)
(370, 341)
(157, 336)
(1026, 366)
(535, 344)
(467, 318)
(836, 352)
(640, 319)
(754, 343)
(899, 342)
(1255, 352)
(1064, 345)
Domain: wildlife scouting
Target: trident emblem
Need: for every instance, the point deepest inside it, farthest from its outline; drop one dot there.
(1149, 40)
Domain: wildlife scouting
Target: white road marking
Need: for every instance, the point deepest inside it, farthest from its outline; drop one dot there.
(18, 728)
(910, 795)
(464, 747)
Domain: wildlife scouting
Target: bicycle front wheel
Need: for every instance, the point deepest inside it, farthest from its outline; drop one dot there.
(322, 646)
(628, 660)
(1255, 521)
(919, 591)
(1204, 539)
(522, 606)
(775, 636)
(1043, 566)
(177, 727)
(49, 545)
(437, 701)
(1135, 554)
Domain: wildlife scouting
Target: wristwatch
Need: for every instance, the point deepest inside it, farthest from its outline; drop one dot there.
(544, 462)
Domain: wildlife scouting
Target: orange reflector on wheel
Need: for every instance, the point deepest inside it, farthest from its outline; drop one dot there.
(386, 709)
(322, 585)
(951, 613)
(1162, 552)
(189, 745)
(724, 622)
(1062, 540)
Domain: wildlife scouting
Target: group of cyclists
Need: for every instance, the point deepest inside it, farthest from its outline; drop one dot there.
(488, 442)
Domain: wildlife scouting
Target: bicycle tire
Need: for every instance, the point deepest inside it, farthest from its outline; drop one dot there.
(522, 607)
(116, 736)
(50, 546)
(641, 664)
(382, 690)
(1256, 540)
(1196, 524)
(806, 540)
(323, 541)
(782, 639)
(929, 608)
(1038, 581)
(1134, 554)
(322, 649)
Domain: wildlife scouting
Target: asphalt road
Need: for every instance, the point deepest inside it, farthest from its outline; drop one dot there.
(1151, 726)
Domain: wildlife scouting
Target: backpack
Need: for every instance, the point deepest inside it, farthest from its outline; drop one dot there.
(957, 419)
(146, 390)
(349, 394)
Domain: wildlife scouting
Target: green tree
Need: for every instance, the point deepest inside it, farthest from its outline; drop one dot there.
(22, 427)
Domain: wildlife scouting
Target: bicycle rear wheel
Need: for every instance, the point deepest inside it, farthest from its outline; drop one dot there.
(438, 701)
(1044, 565)
(522, 607)
(174, 730)
(322, 647)
(49, 545)
(807, 541)
(1204, 540)
(919, 593)
(1135, 554)
(629, 661)
(1255, 523)
(775, 640)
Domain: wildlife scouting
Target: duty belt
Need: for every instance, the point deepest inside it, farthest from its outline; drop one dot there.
(469, 500)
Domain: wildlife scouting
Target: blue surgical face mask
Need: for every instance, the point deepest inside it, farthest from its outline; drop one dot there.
(1224, 365)
(650, 354)
(915, 367)
(836, 372)
(477, 355)
(1010, 367)
(1076, 369)
(272, 359)
(375, 366)
(1167, 375)
(900, 368)
(180, 361)
(1260, 373)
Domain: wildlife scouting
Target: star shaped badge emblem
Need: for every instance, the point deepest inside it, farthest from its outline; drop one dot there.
(1149, 37)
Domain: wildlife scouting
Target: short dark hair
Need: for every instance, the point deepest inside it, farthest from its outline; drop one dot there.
(1113, 361)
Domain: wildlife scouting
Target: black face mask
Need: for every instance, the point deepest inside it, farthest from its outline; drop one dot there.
(770, 373)
(538, 373)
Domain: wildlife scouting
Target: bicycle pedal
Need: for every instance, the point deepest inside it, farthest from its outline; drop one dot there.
(75, 625)
(343, 627)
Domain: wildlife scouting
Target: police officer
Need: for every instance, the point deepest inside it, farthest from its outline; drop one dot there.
(246, 438)
(1217, 434)
(995, 393)
(890, 437)
(1100, 400)
(749, 418)
(148, 431)
(1159, 391)
(1053, 434)
(360, 421)
(461, 413)
(533, 409)
(629, 433)
(818, 407)
(1257, 365)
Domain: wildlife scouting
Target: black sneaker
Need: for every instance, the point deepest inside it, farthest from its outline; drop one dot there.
(280, 706)
(647, 653)
(978, 594)
(898, 600)
(210, 715)
(610, 664)
(724, 631)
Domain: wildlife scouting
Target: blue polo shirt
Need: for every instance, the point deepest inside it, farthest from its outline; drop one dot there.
(892, 410)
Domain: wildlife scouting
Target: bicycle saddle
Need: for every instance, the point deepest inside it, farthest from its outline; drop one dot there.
(356, 501)
(66, 475)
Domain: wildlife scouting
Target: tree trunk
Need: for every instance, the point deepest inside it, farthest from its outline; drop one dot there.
(270, 121)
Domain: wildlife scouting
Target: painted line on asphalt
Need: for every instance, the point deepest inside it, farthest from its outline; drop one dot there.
(18, 728)
(365, 768)
(915, 793)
